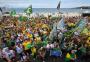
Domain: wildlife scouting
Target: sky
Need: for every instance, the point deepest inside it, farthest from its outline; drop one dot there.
(43, 3)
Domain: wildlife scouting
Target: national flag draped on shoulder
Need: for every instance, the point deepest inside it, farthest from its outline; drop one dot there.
(58, 6)
(28, 11)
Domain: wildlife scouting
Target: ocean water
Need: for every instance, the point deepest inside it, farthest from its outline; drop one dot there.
(51, 10)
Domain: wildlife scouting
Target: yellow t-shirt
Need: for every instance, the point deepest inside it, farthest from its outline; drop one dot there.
(88, 38)
(25, 44)
(71, 24)
(68, 56)
(88, 42)
(30, 36)
(88, 33)
(33, 50)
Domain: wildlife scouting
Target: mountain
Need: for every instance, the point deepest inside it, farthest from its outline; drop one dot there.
(84, 7)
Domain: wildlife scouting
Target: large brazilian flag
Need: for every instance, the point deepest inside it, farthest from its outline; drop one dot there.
(23, 18)
(28, 11)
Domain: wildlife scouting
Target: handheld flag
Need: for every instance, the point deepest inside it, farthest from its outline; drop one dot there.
(13, 13)
(29, 10)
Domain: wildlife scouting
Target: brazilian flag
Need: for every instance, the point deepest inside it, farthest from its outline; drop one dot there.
(22, 18)
(13, 13)
(28, 11)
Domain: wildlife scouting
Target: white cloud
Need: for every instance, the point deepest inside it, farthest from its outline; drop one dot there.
(44, 3)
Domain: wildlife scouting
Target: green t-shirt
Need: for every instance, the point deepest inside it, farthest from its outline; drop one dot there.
(44, 43)
(72, 55)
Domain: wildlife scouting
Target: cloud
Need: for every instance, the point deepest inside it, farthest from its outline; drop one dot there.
(44, 3)
(15, 3)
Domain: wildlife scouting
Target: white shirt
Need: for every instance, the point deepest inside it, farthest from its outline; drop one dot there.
(52, 45)
(48, 46)
(8, 54)
(18, 49)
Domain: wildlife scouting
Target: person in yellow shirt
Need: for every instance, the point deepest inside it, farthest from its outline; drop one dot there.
(88, 41)
(88, 33)
(33, 50)
(71, 24)
(24, 44)
(68, 57)
(30, 35)
(45, 26)
(38, 39)
(27, 46)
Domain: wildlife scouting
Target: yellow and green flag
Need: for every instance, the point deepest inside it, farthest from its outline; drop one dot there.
(28, 11)
(13, 13)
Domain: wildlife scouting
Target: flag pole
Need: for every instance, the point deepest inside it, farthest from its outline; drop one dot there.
(58, 9)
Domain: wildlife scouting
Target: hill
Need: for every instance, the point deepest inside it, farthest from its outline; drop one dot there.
(84, 7)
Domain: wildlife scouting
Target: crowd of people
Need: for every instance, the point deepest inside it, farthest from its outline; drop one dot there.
(29, 41)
